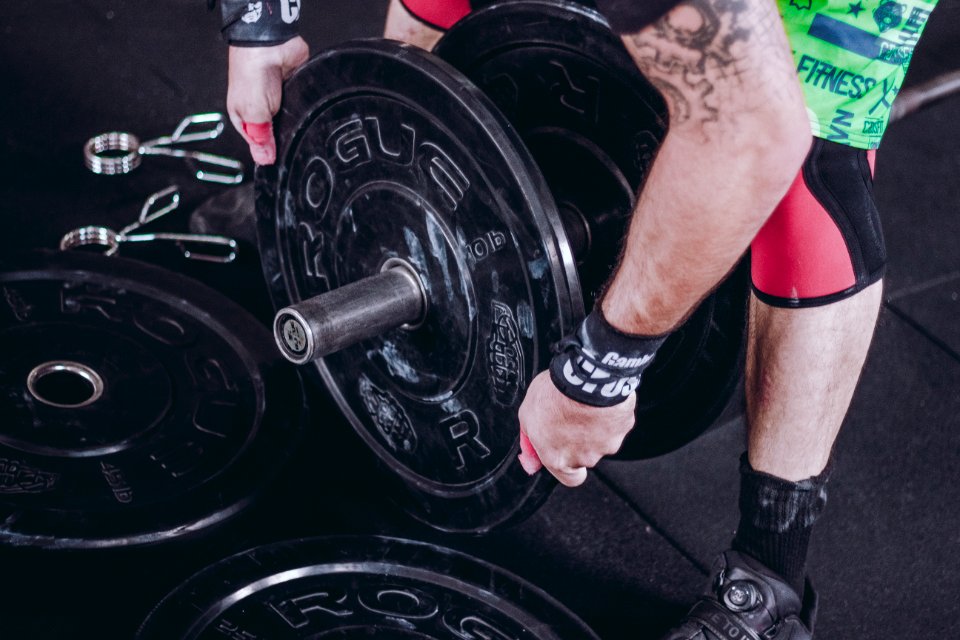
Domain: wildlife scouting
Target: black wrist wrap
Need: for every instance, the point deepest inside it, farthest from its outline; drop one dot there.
(599, 365)
(259, 23)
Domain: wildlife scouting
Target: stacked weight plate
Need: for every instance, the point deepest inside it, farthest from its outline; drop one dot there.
(356, 587)
(137, 406)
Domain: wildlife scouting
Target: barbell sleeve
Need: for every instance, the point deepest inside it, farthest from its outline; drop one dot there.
(334, 320)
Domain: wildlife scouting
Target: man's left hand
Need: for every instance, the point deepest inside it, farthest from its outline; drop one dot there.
(570, 437)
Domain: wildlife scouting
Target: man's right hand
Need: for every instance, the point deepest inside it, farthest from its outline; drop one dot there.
(255, 85)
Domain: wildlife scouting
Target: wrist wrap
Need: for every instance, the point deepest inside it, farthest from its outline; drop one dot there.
(600, 365)
(259, 23)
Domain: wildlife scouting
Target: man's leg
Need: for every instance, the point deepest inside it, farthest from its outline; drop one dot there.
(817, 265)
(802, 368)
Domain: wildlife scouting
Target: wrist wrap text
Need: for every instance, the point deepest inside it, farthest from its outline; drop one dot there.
(259, 23)
(599, 365)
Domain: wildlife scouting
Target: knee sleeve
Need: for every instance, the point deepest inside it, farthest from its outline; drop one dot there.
(823, 242)
(439, 14)
(442, 14)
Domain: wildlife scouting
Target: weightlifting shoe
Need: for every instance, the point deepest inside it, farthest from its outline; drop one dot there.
(747, 601)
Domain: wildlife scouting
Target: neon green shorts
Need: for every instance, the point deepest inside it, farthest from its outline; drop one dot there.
(851, 59)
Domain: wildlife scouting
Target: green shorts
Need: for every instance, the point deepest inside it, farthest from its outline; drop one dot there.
(851, 59)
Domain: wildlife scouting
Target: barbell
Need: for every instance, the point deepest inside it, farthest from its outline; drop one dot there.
(435, 222)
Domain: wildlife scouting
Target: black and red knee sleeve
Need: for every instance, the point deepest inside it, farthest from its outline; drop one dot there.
(823, 242)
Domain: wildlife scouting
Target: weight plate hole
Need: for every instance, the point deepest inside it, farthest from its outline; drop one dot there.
(64, 384)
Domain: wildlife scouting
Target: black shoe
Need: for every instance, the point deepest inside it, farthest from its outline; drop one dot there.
(747, 601)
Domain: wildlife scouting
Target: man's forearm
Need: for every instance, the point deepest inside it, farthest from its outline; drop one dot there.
(738, 134)
(698, 212)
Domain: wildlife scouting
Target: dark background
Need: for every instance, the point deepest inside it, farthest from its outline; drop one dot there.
(629, 550)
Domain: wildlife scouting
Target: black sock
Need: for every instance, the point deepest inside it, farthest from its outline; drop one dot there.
(776, 518)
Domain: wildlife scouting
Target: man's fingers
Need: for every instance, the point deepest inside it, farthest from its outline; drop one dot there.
(570, 477)
(529, 459)
(259, 136)
(587, 460)
(237, 122)
(256, 128)
(264, 154)
(259, 132)
(614, 446)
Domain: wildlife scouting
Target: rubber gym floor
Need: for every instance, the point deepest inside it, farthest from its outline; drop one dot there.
(629, 550)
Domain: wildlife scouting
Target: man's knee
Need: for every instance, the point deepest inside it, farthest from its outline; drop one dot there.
(824, 241)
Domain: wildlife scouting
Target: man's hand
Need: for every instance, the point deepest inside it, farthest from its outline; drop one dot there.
(567, 436)
(255, 83)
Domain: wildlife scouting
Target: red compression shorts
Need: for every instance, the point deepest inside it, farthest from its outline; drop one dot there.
(439, 14)
(823, 242)
(625, 16)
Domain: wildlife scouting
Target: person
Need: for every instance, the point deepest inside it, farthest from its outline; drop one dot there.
(738, 168)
